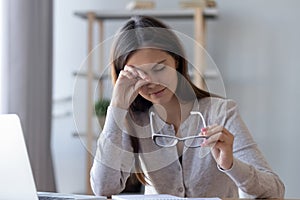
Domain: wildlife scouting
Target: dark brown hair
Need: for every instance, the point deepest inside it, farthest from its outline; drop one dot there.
(147, 32)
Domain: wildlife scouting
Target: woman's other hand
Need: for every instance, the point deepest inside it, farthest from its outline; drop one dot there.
(221, 141)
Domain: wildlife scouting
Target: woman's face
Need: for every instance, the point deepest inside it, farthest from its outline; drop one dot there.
(160, 67)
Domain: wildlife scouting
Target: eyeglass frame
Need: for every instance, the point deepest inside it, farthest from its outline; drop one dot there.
(177, 139)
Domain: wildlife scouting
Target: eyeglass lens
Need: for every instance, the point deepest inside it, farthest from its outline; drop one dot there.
(164, 141)
(194, 142)
(169, 141)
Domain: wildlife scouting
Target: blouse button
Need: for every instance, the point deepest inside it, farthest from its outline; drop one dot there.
(170, 127)
(180, 189)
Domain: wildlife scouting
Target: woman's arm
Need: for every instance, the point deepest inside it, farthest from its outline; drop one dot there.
(250, 170)
(114, 158)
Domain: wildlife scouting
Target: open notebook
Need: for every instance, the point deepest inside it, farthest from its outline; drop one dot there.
(156, 197)
(145, 197)
(16, 179)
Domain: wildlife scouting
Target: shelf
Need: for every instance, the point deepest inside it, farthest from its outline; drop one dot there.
(162, 14)
(97, 77)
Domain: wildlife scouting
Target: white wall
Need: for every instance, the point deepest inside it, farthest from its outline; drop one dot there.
(255, 46)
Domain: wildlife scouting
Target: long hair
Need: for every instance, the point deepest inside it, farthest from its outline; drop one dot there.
(147, 32)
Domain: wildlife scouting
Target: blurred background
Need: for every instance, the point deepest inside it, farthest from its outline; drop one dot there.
(253, 43)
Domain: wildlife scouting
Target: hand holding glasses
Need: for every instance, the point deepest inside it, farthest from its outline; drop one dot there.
(170, 141)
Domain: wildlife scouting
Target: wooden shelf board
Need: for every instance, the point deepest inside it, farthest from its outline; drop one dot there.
(163, 14)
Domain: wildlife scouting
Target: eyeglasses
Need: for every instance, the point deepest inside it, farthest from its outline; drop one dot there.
(170, 141)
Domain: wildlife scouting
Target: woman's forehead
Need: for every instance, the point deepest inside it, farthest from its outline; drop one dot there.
(149, 56)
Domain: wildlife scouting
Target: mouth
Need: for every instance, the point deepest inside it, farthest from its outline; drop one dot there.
(158, 92)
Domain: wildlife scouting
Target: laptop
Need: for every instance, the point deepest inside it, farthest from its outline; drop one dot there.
(16, 179)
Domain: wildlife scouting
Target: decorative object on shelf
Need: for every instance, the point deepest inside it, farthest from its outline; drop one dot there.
(197, 3)
(139, 4)
(211, 3)
(101, 109)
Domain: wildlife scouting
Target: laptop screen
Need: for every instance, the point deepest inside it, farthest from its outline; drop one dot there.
(16, 180)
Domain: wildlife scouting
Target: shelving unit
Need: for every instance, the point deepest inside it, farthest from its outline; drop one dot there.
(198, 15)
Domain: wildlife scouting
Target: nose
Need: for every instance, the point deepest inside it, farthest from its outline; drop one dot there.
(154, 79)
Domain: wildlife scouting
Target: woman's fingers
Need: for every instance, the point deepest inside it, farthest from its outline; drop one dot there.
(215, 133)
(130, 70)
(143, 75)
(126, 89)
(140, 83)
(221, 141)
(126, 74)
(137, 78)
(135, 73)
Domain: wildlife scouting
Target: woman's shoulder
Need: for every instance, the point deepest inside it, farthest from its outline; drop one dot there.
(217, 102)
(218, 110)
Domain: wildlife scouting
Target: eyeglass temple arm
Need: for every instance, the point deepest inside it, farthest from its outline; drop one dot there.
(199, 113)
(151, 123)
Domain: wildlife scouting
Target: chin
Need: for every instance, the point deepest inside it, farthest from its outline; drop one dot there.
(161, 101)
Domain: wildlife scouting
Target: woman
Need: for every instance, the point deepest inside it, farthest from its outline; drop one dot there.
(177, 138)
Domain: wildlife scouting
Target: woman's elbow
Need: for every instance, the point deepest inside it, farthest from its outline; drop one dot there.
(103, 188)
(281, 189)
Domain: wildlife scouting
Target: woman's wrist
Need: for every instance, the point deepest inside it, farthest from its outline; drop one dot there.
(117, 104)
(225, 168)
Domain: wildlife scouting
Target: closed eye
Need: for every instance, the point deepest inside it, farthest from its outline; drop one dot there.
(159, 68)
